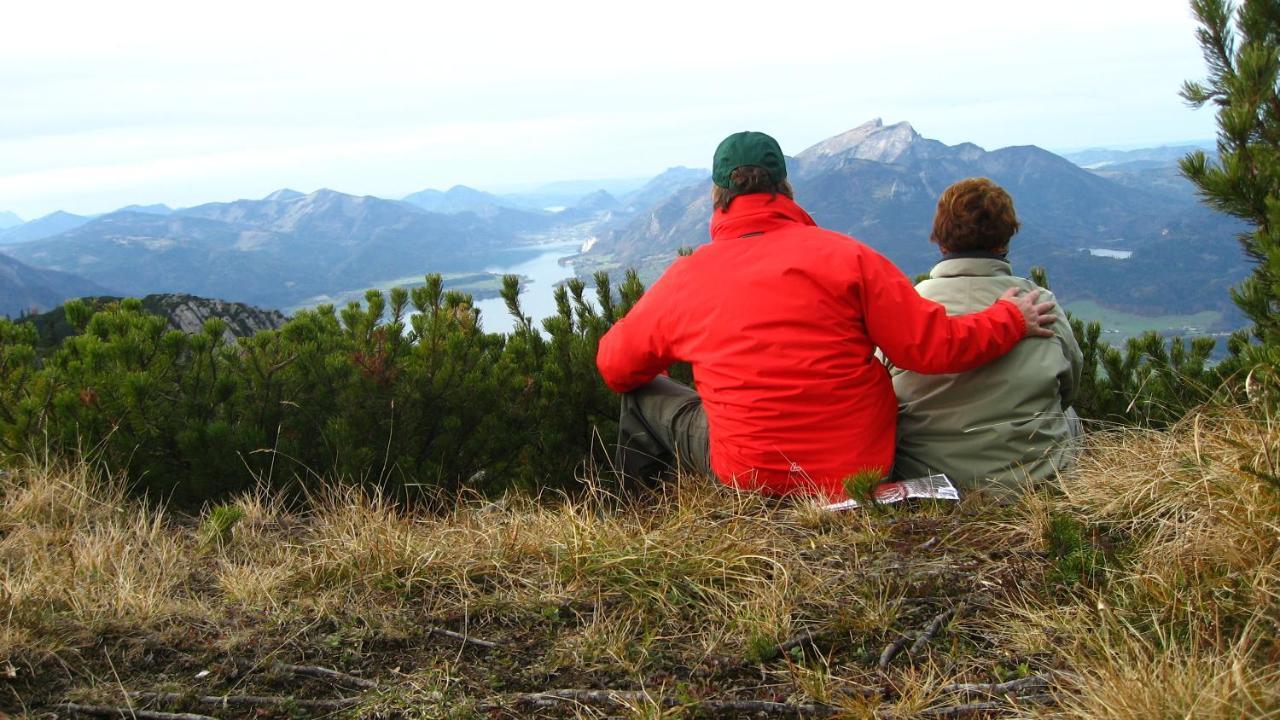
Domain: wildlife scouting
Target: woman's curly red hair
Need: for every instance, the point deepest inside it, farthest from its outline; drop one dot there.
(974, 214)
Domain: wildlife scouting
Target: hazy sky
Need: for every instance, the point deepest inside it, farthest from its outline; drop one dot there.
(106, 104)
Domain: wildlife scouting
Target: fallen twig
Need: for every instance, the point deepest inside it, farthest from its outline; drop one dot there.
(934, 626)
(795, 641)
(1012, 687)
(599, 697)
(325, 673)
(966, 709)
(245, 700)
(935, 599)
(552, 698)
(955, 711)
(764, 706)
(863, 693)
(786, 646)
(124, 712)
(891, 651)
(467, 639)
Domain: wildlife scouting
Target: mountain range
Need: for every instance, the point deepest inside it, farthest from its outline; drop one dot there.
(1140, 158)
(1128, 233)
(42, 227)
(276, 251)
(880, 183)
(460, 198)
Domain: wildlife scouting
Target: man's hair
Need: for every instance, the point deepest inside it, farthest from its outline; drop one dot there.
(746, 180)
(974, 214)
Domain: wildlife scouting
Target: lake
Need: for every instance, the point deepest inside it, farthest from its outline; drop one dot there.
(541, 273)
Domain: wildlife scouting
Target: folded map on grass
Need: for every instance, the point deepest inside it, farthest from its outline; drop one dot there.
(933, 487)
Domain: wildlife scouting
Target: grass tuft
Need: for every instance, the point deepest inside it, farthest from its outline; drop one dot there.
(219, 524)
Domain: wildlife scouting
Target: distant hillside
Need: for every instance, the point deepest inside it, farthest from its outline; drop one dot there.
(276, 251)
(8, 220)
(649, 240)
(187, 313)
(156, 209)
(569, 193)
(47, 226)
(881, 183)
(1162, 156)
(24, 289)
(1150, 169)
(597, 201)
(666, 183)
(613, 186)
(458, 198)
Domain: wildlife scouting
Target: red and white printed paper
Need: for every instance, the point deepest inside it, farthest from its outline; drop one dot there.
(933, 487)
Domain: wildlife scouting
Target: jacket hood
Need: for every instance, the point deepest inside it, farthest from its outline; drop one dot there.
(756, 213)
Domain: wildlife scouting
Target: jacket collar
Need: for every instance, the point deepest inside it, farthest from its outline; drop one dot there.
(972, 254)
(952, 266)
(756, 213)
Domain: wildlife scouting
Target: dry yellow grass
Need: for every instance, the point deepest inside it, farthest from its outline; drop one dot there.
(1144, 586)
(1185, 623)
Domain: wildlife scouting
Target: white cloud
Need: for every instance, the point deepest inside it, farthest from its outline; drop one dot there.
(176, 102)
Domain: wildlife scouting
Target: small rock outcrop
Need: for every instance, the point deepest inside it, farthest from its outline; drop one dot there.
(187, 313)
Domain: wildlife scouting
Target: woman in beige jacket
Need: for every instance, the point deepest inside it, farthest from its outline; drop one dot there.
(1009, 423)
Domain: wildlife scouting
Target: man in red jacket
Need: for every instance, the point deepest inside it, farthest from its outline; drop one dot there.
(780, 320)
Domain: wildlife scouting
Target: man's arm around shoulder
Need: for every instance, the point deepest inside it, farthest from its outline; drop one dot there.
(639, 346)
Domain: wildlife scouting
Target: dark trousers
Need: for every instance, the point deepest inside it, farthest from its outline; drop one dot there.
(663, 427)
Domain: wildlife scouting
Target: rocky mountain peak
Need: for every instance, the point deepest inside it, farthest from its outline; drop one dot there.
(283, 195)
(871, 140)
(325, 194)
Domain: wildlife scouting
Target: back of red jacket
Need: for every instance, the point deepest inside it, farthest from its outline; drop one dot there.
(780, 321)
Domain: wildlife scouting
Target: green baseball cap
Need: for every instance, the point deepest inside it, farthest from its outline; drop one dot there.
(747, 148)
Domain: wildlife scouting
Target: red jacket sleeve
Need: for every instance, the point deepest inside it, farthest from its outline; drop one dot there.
(638, 347)
(917, 334)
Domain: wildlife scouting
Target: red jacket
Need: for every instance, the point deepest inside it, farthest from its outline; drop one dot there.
(780, 320)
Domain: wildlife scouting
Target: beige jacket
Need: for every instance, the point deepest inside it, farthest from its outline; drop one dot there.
(1001, 426)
